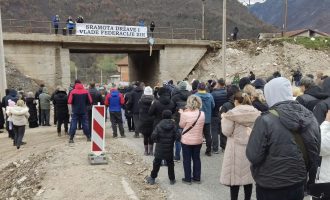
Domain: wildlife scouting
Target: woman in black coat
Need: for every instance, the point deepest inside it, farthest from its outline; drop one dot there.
(62, 110)
(146, 121)
(31, 103)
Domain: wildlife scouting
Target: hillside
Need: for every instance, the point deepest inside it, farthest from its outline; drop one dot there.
(301, 13)
(165, 13)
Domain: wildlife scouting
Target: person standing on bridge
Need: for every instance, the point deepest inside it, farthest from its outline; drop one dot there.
(56, 22)
(70, 25)
(80, 99)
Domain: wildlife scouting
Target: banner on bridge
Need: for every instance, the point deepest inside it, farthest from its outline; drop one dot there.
(111, 30)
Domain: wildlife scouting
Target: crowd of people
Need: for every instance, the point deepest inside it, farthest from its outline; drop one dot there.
(271, 133)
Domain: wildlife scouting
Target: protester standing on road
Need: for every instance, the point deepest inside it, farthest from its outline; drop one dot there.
(231, 91)
(220, 97)
(324, 176)
(37, 98)
(313, 94)
(62, 110)
(207, 107)
(321, 109)
(12, 96)
(164, 136)
(96, 99)
(179, 99)
(283, 146)
(19, 115)
(133, 105)
(31, 103)
(237, 126)
(52, 99)
(45, 99)
(192, 121)
(164, 102)
(128, 113)
(2, 118)
(146, 121)
(115, 100)
(80, 99)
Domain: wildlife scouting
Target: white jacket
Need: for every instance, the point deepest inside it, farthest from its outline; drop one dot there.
(325, 153)
(19, 115)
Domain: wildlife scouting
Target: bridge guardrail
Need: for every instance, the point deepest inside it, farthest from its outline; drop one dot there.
(37, 26)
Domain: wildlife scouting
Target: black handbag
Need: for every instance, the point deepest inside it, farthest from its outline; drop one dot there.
(192, 126)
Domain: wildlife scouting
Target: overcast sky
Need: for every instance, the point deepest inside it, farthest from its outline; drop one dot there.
(252, 1)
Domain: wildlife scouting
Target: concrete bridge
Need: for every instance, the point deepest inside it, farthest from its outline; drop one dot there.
(47, 57)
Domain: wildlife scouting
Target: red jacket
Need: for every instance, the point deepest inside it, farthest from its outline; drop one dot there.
(80, 99)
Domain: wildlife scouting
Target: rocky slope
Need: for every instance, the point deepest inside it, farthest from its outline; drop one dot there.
(263, 59)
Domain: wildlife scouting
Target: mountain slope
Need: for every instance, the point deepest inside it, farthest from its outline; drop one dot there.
(301, 13)
(165, 13)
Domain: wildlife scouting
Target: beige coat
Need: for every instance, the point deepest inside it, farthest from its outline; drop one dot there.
(237, 125)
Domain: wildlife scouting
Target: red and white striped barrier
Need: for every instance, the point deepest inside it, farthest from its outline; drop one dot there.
(98, 129)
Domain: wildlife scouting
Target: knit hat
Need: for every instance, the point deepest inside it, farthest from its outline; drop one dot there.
(259, 83)
(201, 86)
(243, 82)
(167, 114)
(182, 85)
(148, 91)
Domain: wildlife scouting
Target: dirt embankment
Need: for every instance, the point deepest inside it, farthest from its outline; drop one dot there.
(263, 58)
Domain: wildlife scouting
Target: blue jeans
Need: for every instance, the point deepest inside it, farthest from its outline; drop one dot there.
(177, 155)
(191, 152)
(73, 126)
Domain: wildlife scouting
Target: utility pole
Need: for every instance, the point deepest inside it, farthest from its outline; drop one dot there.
(101, 76)
(76, 73)
(224, 38)
(285, 17)
(3, 83)
(203, 19)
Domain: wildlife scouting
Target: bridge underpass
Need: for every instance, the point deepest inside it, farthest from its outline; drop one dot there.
(47, 57)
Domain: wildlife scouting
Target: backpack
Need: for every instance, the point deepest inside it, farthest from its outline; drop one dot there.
(299, 141)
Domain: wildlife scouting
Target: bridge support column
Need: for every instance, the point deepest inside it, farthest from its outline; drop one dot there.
(176, 62)
(62, 67)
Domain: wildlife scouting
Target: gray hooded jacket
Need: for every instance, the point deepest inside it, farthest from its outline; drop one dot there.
(276, 160)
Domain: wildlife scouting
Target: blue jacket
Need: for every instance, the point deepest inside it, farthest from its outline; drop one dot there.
(114, 100)
(208, 105)
(220, 97)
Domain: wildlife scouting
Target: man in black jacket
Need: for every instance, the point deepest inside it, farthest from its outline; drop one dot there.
(220, 97)
(96, 99)
(60, 101)
(313, 94)
(284, 145)
(133, 105)
(321, 109)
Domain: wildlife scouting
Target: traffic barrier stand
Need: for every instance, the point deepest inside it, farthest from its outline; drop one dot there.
(97, 155)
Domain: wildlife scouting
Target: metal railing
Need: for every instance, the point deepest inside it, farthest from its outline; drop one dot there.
(35, 26)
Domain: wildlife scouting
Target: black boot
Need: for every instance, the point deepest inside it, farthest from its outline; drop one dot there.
(146, 150)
